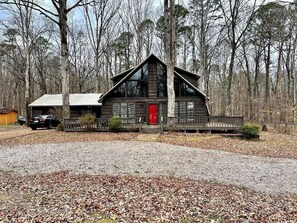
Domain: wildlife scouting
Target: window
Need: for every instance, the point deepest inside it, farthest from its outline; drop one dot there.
(181, 88)
(184, 111)
(124, 111)
(161, 80)
(135, 86)
(120, 91)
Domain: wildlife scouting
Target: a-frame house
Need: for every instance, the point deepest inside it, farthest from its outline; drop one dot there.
(141, 94)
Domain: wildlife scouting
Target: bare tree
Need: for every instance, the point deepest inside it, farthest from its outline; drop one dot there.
(59, 18)
(238, 15)
(99, 19)
(169, 16)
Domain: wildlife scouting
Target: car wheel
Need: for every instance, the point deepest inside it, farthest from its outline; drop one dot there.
(33, 127)
(50, 126)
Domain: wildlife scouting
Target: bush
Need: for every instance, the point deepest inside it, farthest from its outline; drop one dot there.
(60, 127)
(87, 121)
(250, 131)
(115, 124)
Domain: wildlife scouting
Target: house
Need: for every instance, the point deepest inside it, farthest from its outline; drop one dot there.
(141, 94)
(7, 116)
(79, 104)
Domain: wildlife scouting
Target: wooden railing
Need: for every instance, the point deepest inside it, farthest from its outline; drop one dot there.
(220, 123)
(100, 125)
(197, 123)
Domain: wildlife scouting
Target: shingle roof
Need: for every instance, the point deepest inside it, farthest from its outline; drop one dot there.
(74, 100)
(6, 111)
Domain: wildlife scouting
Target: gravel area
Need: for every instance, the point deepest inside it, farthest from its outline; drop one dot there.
(270, 175)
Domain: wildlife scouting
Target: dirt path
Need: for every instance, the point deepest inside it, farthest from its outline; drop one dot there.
(16, 133)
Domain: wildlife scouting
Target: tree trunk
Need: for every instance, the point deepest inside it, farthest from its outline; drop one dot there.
(230, 79)
(267, 76)
(169, 14)
(64, 59)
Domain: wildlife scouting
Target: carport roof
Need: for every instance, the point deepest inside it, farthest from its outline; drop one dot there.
(74, 100)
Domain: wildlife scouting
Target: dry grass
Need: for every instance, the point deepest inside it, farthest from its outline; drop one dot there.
(271, 144)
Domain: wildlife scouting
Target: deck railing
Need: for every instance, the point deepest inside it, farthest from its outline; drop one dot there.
(220, 123)
(100, 125)
(197, 123)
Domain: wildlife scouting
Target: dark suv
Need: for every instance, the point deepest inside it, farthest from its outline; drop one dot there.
(43, 121)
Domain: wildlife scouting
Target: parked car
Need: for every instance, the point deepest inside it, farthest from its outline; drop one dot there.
(21, 120)
(43, 121)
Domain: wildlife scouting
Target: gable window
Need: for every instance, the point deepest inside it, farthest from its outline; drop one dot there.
(135, 86)
(182, 89)
(161, 80)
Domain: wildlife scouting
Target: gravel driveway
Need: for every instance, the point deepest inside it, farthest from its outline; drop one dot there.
(153, 159)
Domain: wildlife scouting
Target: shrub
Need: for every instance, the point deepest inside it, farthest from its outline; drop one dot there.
(250, 131)
(87, 121)
(60, 127)
(115, 124)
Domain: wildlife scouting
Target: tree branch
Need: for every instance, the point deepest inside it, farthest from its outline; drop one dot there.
(34, 6)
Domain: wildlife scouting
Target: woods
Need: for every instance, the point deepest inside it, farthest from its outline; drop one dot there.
(245, 51)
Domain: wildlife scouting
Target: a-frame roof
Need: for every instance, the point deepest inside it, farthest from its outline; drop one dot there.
(126, 75)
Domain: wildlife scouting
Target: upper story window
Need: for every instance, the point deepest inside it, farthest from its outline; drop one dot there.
(161, 80)
(135, 86)
(182, 89)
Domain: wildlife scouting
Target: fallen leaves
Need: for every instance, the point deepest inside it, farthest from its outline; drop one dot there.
(68, 197)
(270, 144)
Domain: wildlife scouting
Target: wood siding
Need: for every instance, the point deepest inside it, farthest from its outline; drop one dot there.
(141, 103)
(8, 118)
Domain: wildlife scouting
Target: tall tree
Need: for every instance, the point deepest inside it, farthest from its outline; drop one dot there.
(205, 15)
(237, 15)
(60, 18)
(99, 19)
(266, 28)
(170, 48)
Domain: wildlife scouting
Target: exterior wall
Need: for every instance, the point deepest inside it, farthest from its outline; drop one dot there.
(141, 106)
(141, 103)
(8, 118)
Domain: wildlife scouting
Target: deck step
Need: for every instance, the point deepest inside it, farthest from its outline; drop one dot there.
(151, 129)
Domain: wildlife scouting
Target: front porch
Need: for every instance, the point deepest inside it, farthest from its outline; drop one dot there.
(183, 123)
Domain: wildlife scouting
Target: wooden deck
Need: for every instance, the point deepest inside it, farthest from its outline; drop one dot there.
(193, 123)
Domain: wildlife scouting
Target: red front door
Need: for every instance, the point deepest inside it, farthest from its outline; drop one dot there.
(153, 114)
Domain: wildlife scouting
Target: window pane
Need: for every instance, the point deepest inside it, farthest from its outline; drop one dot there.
(116, 109)
(176, 86)
(133, 89)
(190, 111)
(131, 110)
(137, 84)
(120, 91)
(141, 74)
(182, 108)
(124, 110)
(161, 80)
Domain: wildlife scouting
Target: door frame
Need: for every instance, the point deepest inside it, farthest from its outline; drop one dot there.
(148, 112)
